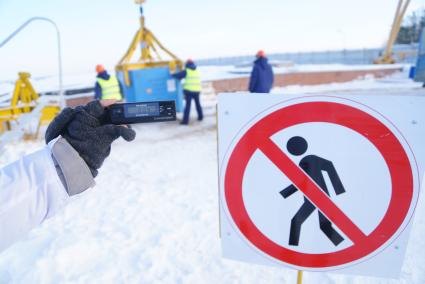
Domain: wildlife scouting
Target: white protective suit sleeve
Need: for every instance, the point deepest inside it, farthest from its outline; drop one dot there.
(30, 192)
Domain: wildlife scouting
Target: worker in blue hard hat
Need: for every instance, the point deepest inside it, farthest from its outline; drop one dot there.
(107, 86)
(191, 88)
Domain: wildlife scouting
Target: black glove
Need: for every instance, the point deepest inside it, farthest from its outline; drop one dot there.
(86, 130)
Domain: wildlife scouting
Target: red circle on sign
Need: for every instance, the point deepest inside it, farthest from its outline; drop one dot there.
(329, 112)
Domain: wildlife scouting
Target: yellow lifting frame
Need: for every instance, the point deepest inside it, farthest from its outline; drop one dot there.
(24, 100)
(24, 92)
(149, 44)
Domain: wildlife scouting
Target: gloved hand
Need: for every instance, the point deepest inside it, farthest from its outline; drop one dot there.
(86, 130)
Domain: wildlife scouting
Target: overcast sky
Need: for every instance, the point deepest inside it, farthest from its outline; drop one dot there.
(95, 31)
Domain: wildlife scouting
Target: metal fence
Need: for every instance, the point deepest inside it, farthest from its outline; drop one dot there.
(349, 56)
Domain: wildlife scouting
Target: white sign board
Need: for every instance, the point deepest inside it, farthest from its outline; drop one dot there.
(320, 183)
(171, 85)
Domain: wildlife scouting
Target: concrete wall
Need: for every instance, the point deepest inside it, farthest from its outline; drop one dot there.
(302, 78)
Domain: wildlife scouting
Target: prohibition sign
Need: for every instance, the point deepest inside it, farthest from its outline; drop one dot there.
(258, 137)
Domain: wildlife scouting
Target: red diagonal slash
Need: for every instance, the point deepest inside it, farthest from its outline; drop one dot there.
(312, 191)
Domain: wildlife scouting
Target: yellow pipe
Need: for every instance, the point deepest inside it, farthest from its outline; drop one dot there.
(32, 94)
(135, 66)
(163, 48)
(16, 92)
(126, 77)
(154, 49)
(127, 56)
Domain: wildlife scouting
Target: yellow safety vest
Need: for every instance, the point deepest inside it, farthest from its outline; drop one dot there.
(192, 82)
(110, 88)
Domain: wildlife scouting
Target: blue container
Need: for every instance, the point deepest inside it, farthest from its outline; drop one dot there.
(152, 84)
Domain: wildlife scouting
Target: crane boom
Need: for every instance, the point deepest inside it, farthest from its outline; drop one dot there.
(387, 56)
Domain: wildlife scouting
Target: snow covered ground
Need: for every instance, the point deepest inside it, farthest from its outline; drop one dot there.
(153, 216)
(390, 84)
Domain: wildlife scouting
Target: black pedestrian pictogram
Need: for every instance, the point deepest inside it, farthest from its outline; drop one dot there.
(312, 166)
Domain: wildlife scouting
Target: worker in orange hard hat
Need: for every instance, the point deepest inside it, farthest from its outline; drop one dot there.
(261, 53)
(262, 77)
(99, 68)
(107, 86)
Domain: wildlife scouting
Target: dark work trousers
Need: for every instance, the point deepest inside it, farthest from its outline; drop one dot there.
(188, 96)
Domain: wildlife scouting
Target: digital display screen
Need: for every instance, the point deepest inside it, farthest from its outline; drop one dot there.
(142, 109)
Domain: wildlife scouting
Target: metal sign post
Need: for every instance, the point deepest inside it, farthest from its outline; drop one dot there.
(300, 277)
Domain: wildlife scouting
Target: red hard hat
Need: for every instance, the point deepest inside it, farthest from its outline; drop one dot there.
(261, 53)
(100, 68)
